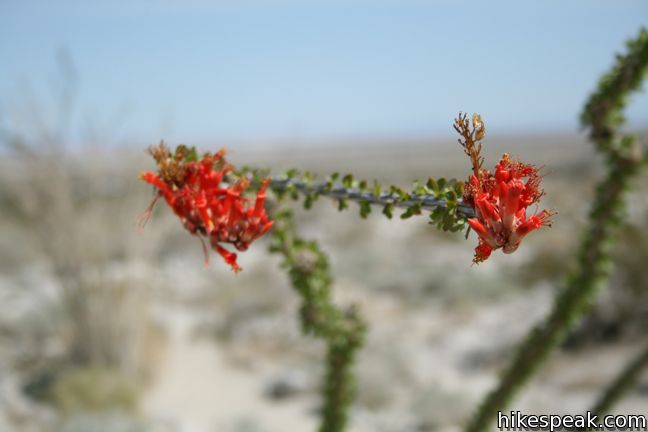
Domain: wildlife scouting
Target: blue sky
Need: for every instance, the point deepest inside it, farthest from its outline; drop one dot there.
(312, 70)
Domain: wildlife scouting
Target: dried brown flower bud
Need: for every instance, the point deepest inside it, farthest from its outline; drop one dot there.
(478, 127)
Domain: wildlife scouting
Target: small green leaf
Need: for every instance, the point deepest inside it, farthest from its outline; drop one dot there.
(459, 188)
(347, 181)
(192, 154)
(432, 185)
(308, 177)
(342, 204)
(377, 191)
(436, 215)
(388, 211)
(418, 188)
(365, 209)
(411, 211)
(308, 202)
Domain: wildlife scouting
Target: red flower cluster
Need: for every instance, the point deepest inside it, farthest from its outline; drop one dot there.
(195, 190)
(500, 201)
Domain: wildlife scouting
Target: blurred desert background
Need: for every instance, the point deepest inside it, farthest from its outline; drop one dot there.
(104, 328)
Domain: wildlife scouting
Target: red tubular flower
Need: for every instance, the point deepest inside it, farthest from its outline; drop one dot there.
(207, 206)
(500, 202)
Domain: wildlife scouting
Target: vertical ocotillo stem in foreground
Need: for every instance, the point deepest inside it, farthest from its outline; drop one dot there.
(342, 330)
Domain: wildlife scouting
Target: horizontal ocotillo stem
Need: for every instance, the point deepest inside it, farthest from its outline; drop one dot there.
(427, 202)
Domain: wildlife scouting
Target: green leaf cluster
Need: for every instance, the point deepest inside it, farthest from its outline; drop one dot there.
(442, 197)
(449, 217)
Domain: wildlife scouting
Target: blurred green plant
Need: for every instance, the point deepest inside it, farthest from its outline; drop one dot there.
(603, 114)
(342, 330)
(82, 390)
